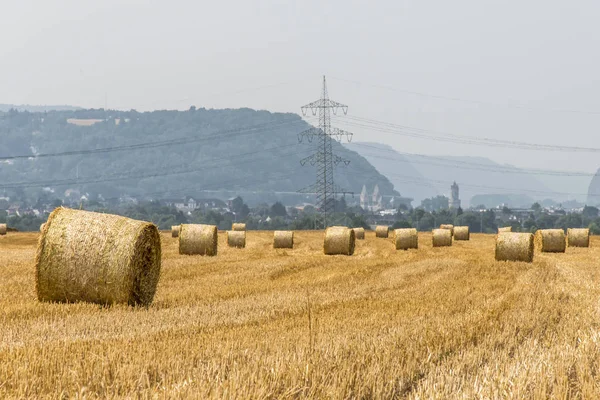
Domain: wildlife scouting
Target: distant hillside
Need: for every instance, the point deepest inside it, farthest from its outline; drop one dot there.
(396, 167)
(208, 151)
(31, 108)
(594, 190)
(422, 176)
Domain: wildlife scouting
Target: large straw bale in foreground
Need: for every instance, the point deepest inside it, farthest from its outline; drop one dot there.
(450, 227)
(99, 258)
(359, 233)
(3, 229)
(175, 230)
(339, 240)
(512, 246)
(236, 239)
(406, 239)
(238, 227)
(283, 240)
(551, 240)
(578, 237)
(198, 239)
(441, 237)
(505, 229)
(461, 233)
(382, 231)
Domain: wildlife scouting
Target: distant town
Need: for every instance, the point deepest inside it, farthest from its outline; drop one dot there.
(368, 209)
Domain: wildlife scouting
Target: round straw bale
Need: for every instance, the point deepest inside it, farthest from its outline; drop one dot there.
(198, 239)
(449, 227)
(3, 229)
(461, 233)
(175, 230)
(511, 246)
(238, 227)
(236, 239)
(441, 237)
(382, 231)
(550, 240)
(283, 240)
(339, 240)
(505, 229)
(406, 239)
(578, 237)
(98, 258)
(359, 233)
(42, 226)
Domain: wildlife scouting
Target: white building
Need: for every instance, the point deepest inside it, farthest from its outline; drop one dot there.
(374, 202)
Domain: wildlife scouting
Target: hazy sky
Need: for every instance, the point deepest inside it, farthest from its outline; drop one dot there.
(270, 55)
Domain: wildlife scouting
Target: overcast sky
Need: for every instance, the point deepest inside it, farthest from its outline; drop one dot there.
(540, 55)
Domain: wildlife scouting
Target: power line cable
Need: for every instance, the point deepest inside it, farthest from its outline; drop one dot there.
(470, 101)
(420, 181)
(183, 140)
(122, 176)
(419, 133)
(443, 162)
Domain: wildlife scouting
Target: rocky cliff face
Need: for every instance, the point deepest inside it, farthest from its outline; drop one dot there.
(594, 190)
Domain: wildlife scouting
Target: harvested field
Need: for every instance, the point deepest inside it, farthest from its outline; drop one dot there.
(447, 322)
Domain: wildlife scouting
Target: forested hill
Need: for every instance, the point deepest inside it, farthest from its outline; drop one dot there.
(190, 153)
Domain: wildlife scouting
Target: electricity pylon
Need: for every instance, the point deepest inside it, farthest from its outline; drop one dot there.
(324, 159)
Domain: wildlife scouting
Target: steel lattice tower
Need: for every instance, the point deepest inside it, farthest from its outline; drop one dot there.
(324, 159)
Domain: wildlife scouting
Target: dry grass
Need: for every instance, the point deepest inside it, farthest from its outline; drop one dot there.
(578, 237)
(359, 233)
(461, 233)
(550, 240)
(382, 231)
(440, 323)
(99, 258)
(283, 239)
(236, 239)
(514, 246)
(407, 238)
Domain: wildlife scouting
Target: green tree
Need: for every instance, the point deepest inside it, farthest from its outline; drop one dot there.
(401, 224)
(590, 212)
(469, 219)
(278, 210)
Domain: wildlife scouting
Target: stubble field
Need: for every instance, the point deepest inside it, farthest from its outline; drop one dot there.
(264, 323)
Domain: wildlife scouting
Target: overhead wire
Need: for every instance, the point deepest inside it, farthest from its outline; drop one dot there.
(464, 100)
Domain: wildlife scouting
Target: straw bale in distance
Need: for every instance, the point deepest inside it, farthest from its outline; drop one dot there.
(441, 237)
(42, 226)
(461, 233)
(448, 226)
(551, 240)
(3, 229)
(339, 240)
(236, 239)
(98, 258)
(578, 237)
(382, 231)
(359, 233)
(198, 239)
(175, 230)
(407, 238)
(283, 240)
(238, 227)
(505, 229)
(512, 246)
